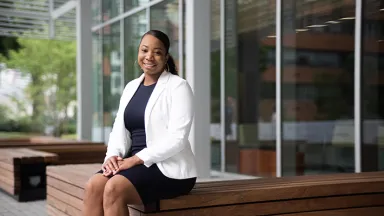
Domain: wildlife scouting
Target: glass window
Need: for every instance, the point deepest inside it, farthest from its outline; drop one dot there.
(317, 87)
(111, 75)
(131, 4)
(134, 28)
(372, 76)
(97, 119)
(165, 17)
(249, 116)
(110, 9)
(215, 87)
(96, 12)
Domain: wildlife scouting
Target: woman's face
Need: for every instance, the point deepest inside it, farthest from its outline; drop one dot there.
(152, 55)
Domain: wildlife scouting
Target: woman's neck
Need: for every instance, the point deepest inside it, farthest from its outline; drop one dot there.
(151, 79)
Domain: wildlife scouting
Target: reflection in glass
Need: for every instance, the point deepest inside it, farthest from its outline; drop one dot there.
(317, 87)
(372, 76)
(110, 9)
(215, 86)
(165, 17)
(111, 75)
(97, 92)
(250, 87)
(96, 12)
(131, 4)
(134, 27)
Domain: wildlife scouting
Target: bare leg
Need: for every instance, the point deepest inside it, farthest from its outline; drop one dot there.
(93, 197)
(119, 192)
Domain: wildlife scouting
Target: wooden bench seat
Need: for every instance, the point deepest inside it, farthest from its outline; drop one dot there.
(336, 195)
(23, 172)
(68, 151)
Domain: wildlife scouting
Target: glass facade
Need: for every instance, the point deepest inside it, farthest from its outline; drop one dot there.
(134, 27)
(318, 86)
(111, 75)
(372, 80)
(315, 78)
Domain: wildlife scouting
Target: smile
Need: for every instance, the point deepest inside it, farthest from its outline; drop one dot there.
(146, 65)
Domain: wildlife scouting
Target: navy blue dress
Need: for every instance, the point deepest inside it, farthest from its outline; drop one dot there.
(150, 183)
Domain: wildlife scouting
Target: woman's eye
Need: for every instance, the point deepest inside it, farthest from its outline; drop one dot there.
(144, 50)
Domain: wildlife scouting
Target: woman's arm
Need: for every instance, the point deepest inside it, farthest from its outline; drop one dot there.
(180, 121)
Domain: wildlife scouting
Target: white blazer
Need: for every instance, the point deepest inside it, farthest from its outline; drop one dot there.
(168, 119)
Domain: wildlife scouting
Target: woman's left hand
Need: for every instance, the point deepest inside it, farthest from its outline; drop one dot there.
(128, 163)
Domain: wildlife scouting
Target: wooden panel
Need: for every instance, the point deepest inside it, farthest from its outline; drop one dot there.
(65, 198)
(75, 191)
(23, 155)
(71, 175)
(283, 207)
(52, 211)
(7, 188)
(62, 206)
(6, 165)
(8, 178)
(368, 211)
(271, 196)
(286, 192)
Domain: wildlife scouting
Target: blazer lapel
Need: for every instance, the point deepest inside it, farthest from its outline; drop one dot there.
(159, 88)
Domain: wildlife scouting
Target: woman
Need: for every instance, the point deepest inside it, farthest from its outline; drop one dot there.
(149, 156)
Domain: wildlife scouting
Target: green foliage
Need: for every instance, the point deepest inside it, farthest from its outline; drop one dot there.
(51, 64)
(8, 124)
(7, 44)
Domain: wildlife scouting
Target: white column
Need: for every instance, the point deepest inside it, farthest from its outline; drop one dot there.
(278, 89)
(357, 84)
(84, 69)
(198, 35)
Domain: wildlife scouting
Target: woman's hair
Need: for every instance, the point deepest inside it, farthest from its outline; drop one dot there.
(165, 40)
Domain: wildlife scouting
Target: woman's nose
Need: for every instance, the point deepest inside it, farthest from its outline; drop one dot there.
(149, 56)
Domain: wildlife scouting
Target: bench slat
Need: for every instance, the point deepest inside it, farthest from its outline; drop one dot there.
(272, 193)
(52, 211)
(22, 155)
(7, 188)
(8, 177)
(63, 207)
(67, 173)
(289, 180)
(75, 191)
(265, 196)
(371, 211)
(289, 207)
(7, 166)
(65, 198)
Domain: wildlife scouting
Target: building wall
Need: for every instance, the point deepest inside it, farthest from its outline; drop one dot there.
(317, 80)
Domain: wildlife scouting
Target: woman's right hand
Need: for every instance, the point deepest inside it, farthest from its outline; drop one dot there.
(111, 166)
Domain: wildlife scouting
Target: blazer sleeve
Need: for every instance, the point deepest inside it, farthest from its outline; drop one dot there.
(116, 142)
(179, 125)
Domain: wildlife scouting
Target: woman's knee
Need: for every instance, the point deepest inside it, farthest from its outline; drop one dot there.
(112, 192)
(95, 186)
(120, 190)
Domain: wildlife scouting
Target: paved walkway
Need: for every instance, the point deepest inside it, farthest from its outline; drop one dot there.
(10, 207)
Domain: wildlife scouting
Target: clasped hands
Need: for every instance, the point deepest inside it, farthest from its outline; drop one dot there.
(114, 164)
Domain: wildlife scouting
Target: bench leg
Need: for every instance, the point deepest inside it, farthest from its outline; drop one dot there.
(33, 182)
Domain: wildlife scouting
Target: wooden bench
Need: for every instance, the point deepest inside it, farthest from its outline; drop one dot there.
(68, 151)
(336, 195)
(23, 173)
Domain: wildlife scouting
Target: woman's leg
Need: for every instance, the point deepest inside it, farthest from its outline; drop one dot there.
(119, 192)
(93, 197)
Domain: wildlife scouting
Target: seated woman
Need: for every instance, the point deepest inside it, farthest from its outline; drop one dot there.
(149, 156)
